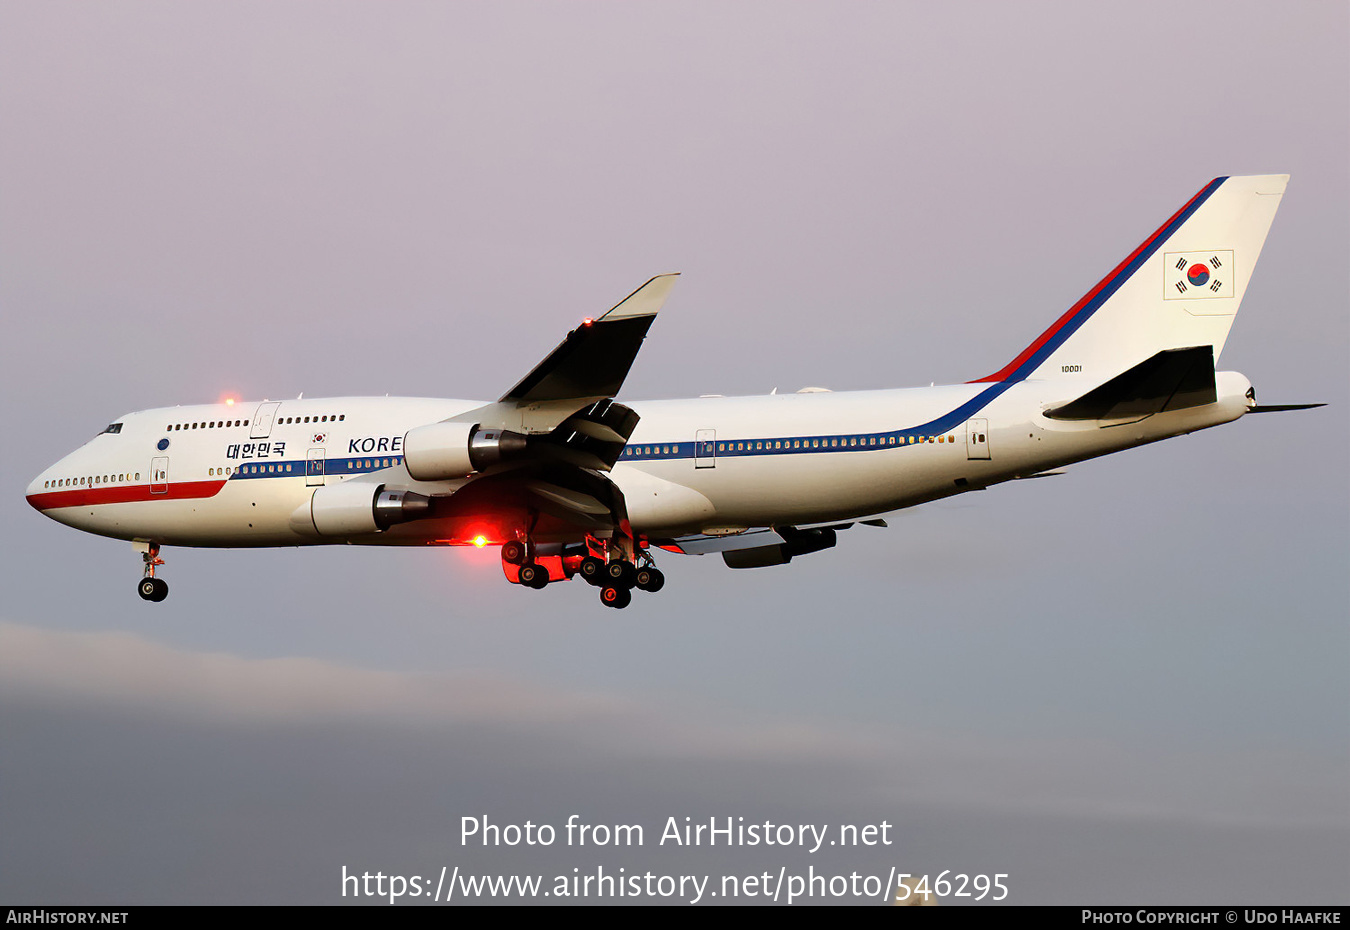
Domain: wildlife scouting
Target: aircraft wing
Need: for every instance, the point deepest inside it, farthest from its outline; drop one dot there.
(588, 366)
(546, 445)
(593, 360)
(763, 546)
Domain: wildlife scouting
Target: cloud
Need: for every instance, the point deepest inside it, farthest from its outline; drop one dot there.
(905, 764)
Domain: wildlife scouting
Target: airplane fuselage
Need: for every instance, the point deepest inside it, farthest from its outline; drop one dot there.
(238, 475)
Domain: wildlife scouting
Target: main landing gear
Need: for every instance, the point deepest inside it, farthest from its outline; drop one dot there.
(531, 573)
(617, 578)
(614, 570)
(151, 588)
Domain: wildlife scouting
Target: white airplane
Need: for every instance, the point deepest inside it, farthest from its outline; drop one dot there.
(568, 481)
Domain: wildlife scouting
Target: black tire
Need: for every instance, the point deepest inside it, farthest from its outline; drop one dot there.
(592, 569)
(514, 552)
(620, 573)
(650, 579)
(161, 589)
(147, 589)
(533, 575)
(614, 596)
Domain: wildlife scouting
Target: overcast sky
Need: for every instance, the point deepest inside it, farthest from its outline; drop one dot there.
(1125, 685)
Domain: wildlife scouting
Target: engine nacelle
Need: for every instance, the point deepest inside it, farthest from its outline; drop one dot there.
(354, 508)
(442, 451)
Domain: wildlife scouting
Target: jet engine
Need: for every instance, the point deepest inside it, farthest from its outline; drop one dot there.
(353, 508)
(441, 451)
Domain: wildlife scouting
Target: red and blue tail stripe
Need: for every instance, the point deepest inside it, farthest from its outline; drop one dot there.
(1033, 355)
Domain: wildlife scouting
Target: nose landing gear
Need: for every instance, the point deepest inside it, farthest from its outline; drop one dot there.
(151, 588)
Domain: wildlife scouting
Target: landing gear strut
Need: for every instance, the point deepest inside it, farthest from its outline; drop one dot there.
(151, 588)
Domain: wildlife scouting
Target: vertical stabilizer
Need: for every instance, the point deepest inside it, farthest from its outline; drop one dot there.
(1180, 288)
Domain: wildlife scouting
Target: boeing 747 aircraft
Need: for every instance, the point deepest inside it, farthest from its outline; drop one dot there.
(566, 480)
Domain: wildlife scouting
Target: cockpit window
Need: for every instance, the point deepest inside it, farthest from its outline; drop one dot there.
(113, 428)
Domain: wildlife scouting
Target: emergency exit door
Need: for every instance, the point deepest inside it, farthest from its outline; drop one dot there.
(159, 475)
(977, 439)
(705, 448)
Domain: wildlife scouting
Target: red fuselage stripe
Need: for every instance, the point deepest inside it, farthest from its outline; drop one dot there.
(124, 494)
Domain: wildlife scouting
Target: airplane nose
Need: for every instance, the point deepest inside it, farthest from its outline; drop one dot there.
(35, 489)
(40, 490)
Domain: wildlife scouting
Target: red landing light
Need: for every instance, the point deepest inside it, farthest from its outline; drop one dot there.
(587, 322)
(480, 541)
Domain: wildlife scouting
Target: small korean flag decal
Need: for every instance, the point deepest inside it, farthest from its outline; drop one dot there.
(1198, 275)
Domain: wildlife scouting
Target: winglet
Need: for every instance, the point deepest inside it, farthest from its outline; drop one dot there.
(645, 301)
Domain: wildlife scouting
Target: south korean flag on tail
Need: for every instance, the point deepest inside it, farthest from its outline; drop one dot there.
(1197, 275)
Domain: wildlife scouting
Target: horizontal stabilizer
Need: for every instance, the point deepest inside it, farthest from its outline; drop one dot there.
(1174, 379)
(1280, 408)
